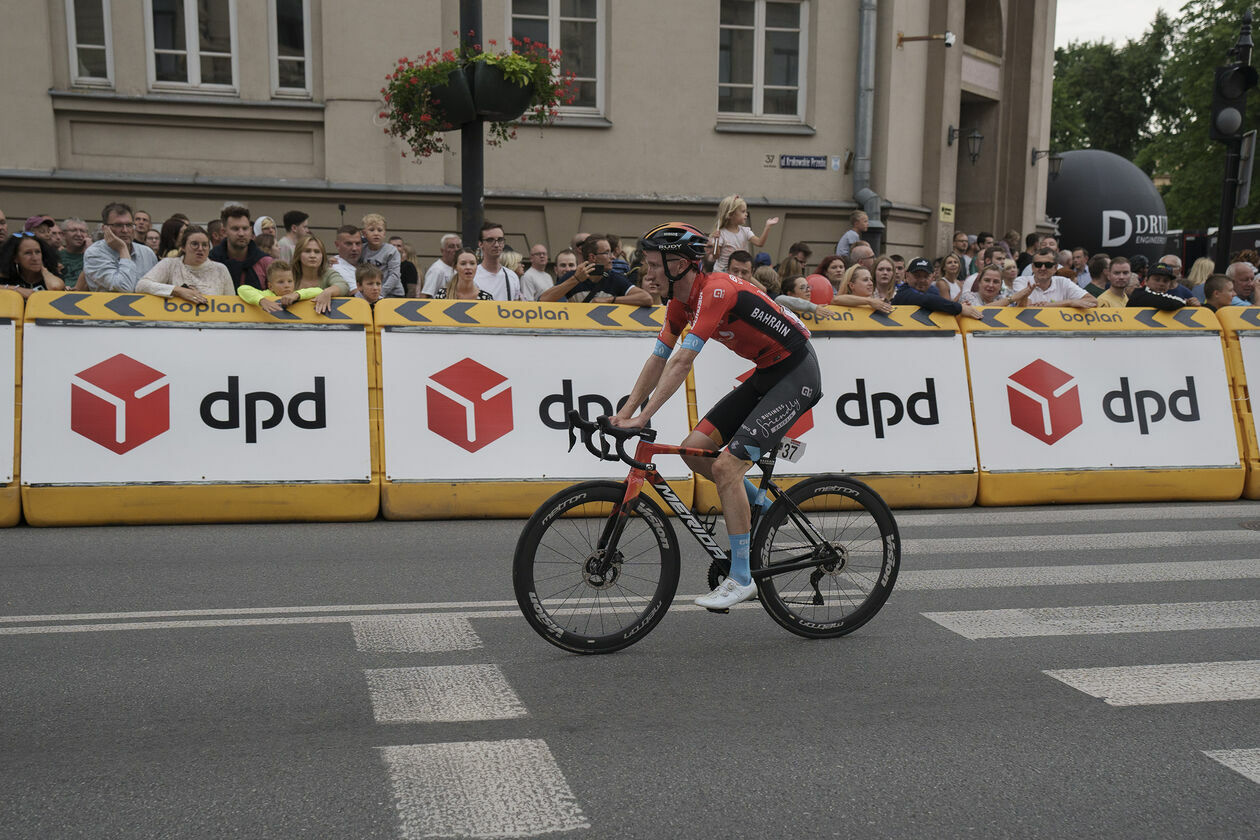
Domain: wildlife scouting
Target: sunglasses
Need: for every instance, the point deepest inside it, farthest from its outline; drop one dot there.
(1043, 265)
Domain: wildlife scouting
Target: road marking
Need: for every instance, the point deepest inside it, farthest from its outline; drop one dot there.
(1014, 576)
(1061, 515)
(1145, 685)
(442, 694)
(1246, 762)
(1119, 618)
(480, 789)
(413, 634)
(1077, 542)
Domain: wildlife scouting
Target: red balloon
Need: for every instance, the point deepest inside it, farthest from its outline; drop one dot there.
(820, 291)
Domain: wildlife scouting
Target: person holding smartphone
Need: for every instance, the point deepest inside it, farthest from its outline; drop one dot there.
(594, 280)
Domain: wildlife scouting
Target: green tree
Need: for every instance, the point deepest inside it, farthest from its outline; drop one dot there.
(1105, 94)
(1180, 147)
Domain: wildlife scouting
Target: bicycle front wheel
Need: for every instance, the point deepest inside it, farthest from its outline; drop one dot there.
(587, 597)
(845, 541)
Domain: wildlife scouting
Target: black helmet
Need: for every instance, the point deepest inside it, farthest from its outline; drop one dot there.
(677, 239)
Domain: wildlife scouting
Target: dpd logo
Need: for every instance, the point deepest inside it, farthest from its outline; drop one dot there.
(120, 403)
(1045, 401)
(469, 404)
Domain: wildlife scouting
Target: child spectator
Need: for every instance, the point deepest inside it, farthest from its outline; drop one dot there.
(769, 279)
(280, 293)
(381, 254)
(731, 232)
(368, 279)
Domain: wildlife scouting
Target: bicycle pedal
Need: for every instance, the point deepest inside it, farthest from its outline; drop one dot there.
(720, 612)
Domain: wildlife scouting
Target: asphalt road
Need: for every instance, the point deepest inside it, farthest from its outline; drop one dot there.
(376, 680)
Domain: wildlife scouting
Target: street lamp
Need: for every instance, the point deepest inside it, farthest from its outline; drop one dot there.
(947, 37)
(1056, 161)
(975, 141)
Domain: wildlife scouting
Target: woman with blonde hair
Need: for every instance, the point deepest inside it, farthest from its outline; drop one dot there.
(312, 271)
(1200, 271)
(858, 289)
(885, 278)
(949, 284)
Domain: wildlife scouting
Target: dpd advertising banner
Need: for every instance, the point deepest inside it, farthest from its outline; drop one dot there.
(1101, 401)
(491, 407)
(891, 404)
(165, 404)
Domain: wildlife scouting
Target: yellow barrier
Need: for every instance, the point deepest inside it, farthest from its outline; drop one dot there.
(1241, 327)
(1101, 405)
(895, 410)
(156, 410)
(10, 415)
(474, 396)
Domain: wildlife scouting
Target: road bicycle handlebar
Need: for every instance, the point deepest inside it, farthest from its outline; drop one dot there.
(605, 429)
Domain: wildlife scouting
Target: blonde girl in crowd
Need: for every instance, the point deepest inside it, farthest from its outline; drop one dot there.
(858, 289)
(463, 283)
(885, 278)
(312, 271)
(731, 232)
(950, 282)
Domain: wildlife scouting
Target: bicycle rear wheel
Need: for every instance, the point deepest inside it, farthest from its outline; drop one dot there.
(857, 557)
(584, 598)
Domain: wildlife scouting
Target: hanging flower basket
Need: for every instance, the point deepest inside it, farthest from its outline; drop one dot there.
(498, 98)
(443, 90)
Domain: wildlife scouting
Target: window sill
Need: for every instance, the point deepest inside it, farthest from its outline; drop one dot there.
(737, 127)
(96, 95)
(577, 121)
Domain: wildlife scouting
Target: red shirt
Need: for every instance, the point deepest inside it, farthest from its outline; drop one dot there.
(737, 314)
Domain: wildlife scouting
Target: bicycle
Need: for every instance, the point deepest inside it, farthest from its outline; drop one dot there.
(597, 565)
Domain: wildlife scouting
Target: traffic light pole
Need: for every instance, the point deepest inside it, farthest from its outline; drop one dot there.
(1230, 95)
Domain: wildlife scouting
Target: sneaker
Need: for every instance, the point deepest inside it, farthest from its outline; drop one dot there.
(727, 594)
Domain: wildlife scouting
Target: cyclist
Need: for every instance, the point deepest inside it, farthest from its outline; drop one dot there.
(749, 421)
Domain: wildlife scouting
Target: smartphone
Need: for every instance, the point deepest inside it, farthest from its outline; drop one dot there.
(597, 271)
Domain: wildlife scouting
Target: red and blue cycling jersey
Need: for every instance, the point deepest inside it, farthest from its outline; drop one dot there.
(737, 314)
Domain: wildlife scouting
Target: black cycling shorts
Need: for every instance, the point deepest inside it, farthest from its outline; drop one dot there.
(753, 418)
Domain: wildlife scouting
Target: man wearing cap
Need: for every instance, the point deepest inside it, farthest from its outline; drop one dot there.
(1157, 291)
(919, 290)
(42, 227)
(116, 263)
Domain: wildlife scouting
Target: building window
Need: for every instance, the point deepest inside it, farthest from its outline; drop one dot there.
(573, 27)
(192, 44)
(290, 65)
(761, 49)
(91, 45)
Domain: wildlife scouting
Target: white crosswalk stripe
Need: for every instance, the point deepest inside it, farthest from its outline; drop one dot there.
(480, 789)
(1078, 542)
(1145, 685)
(1245, 762)
(1111, 618)
(442, 694)
(413, 634)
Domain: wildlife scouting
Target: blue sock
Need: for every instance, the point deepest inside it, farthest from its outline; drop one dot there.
(739, 559)
(753, 492)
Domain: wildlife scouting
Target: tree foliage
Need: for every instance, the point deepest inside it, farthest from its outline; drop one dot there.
(1149, 100)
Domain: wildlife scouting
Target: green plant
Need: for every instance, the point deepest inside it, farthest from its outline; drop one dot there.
(416, 116)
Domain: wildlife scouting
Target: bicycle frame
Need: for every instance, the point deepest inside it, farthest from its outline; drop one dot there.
(645, 452)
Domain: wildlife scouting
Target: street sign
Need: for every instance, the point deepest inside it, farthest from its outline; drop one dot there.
(802, 161)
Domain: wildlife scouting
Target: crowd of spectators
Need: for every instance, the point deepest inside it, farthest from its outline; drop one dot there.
(273, 265)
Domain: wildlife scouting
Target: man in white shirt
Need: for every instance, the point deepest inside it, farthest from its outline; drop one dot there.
(536, 280)
(492, 277)
(349, 244)
(1046, 242)
(1049, 289)
(438, 275)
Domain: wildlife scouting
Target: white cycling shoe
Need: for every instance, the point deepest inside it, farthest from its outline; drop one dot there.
(727, 594)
